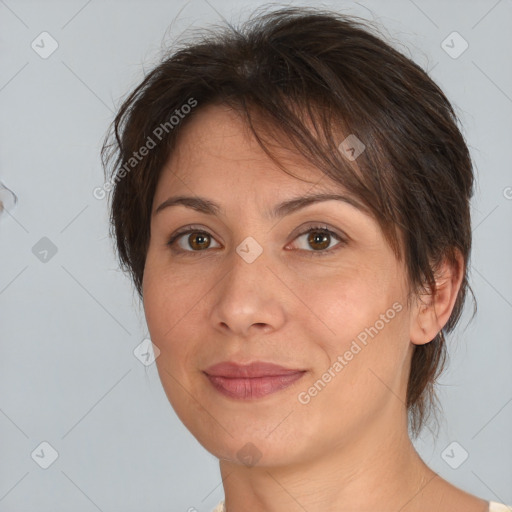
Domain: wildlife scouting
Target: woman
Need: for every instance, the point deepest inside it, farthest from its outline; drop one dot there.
(292, 202)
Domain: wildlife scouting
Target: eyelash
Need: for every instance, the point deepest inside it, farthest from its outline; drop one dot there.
(320, 228)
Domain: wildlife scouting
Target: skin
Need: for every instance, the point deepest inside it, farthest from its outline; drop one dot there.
(348, 448)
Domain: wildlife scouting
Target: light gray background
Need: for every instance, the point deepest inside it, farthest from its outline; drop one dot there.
(69, 325)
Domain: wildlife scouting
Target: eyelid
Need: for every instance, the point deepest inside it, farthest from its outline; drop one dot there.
(342, 239)
(186, 230)
(303, 230)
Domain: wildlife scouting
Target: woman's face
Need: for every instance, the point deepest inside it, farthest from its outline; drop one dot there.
(249, 286)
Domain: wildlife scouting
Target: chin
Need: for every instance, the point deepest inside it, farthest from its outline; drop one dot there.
(254, 446)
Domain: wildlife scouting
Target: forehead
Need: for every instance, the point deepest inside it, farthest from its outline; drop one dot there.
(217, 146)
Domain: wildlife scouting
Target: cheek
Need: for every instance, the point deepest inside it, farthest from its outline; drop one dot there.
(363, 334)
(360, 381)
(175, 306)
(169, 310)
(168, 307)
(342, 306)
(169, 296)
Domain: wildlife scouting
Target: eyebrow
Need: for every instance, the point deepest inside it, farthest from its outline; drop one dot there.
(208, 207)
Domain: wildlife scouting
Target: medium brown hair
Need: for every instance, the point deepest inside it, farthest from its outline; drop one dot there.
(312, 77)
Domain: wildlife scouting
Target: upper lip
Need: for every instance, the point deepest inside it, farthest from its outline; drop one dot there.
(231, 369)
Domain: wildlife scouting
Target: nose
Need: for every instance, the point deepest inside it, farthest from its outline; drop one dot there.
(249, 300)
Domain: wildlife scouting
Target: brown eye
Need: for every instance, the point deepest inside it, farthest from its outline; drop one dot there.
(317, 243)
(191, 240)
(318, 240)
(198, 240)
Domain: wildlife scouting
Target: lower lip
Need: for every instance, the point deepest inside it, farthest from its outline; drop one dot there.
(256, 387)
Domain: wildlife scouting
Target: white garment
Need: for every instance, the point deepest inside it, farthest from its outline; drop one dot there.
(493, 507)
(221, 508)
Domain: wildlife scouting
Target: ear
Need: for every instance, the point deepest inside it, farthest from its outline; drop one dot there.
(432, 311)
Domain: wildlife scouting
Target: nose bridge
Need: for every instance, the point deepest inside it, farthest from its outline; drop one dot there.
(248, 271)
(249, 292)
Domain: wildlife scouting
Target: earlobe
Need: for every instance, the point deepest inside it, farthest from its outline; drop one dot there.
(432, 311)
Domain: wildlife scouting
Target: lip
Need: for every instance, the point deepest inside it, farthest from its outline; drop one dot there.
(251, 381)
(232, 370)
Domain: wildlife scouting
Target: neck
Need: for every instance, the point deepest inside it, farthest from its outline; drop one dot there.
(377, 470)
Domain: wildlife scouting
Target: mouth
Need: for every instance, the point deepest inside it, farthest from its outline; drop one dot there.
(256, 380)
(255, 387)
